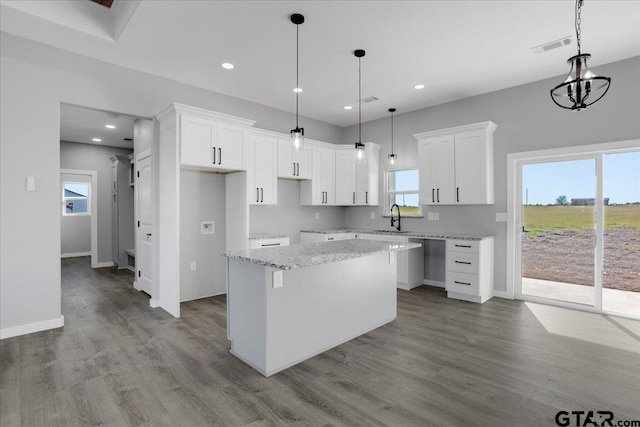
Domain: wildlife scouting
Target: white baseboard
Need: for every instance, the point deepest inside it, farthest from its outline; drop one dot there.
(75, 254)
(205, 296)
(30, 328)
(154, 303)
(502, 294)
(435, 283)
(103, 264)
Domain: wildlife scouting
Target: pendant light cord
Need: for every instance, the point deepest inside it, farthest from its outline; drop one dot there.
(297, 71)
(392, 132)
(578, 21)
(359, 100)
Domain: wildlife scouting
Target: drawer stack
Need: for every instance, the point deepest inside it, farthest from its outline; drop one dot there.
(268, 242)
(469, 274)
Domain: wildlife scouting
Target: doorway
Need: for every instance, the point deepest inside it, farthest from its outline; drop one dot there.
(78, 214)
(574, 227)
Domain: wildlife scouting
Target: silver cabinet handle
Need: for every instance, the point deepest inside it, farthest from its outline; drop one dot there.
(261, 195)
(354, 197)
(220, 156)
(294, 169)
(214, 155)
(257, 194)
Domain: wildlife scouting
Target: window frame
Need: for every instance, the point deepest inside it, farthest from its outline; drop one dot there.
(389, 195)
(67, 199)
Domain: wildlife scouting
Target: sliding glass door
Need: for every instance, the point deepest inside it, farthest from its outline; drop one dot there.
(579, 239)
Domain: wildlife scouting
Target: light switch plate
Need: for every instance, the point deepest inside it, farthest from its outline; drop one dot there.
(433, 216)
(193, 266)
(501, 217)
(31, 183)
(277, 279)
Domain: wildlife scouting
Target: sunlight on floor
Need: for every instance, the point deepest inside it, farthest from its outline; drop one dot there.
(623, 334)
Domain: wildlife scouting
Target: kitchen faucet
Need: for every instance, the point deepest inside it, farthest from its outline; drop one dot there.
(393, 221)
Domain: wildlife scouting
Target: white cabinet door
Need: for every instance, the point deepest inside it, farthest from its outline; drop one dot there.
(436, 160)
(367, 176)
(471, 154)
(291, 164)
(263, 187)
(231, 146)
(197, 139)
(345, 177)
(329, 176)
(320, 190)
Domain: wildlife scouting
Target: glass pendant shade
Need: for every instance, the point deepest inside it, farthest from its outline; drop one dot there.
(581, 87)
(297, 139)
(392, 159)
(360, 158)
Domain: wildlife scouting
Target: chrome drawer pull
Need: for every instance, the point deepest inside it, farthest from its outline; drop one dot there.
(462, 283)
(270, 244)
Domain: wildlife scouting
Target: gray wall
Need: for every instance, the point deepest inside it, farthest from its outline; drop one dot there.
(97, 158)
(288, 217)
(76, 229)
(202, 199)
(527, 120)
(34, 80)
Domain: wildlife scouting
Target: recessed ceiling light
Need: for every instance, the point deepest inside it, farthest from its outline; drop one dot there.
(418, 87)
(97, 140)
(297, 89)
(227, 66)
(110, 126)
(347, 107)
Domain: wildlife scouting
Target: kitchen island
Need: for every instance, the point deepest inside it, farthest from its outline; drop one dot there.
(287, 304)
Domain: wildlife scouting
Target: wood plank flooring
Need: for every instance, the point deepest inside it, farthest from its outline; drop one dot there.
(440, 363)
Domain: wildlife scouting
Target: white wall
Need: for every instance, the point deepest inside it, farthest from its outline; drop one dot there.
(34, 79)
(288, 217)
(97, 158)
(527, 120)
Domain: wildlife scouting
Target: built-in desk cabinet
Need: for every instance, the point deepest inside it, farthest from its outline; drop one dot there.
(456, 165)
(469, 269)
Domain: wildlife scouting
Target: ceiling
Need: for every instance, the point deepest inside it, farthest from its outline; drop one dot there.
(457, 49)
(80, 124)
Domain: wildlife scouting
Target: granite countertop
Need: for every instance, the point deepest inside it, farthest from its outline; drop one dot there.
(261, 236)
(298, 256)
(412, 234)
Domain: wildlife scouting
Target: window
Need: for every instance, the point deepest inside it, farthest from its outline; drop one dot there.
(402, 189)
(76, 198)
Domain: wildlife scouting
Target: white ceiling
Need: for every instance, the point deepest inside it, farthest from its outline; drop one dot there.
(79, 124)
(456, 49)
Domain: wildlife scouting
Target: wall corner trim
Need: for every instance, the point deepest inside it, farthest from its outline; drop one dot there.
(502, 294)
(30, 328)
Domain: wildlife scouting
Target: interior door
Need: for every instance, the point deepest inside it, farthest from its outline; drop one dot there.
(145, 239)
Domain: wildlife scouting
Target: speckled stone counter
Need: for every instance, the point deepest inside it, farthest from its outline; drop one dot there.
(261, 236)
(298, 256)
(412, 234)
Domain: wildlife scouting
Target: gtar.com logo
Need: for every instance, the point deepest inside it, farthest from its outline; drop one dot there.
(591, 419)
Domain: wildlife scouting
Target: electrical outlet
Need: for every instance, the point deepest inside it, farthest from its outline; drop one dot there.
(207, 227)
(277, 279)
(372, 215)
(501, 217)
(436, 216)
(317, 215)
(193, 266)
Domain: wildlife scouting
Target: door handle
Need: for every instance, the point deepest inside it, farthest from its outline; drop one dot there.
(458, 194)
(298, 169)
(214, 155)
(366, 197)
(257, 194)
(294, 169)
(220, 156)
(354, 197)
(438, 195)
(433, 197)
(261, 195)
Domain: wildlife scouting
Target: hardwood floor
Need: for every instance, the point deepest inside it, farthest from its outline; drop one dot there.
(440, 363)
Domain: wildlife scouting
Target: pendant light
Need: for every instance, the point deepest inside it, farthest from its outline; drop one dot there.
(359, 53)
(392, 157)
(581, 87)
(297, 134)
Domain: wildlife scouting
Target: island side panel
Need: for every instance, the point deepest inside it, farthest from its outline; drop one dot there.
(322, 306)
(246, 312)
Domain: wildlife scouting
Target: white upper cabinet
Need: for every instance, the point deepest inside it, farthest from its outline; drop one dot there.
(321, 189)
(292, 164)
(262, 179)
(367, 176)
(211, 140)
(456, 165)
(345, 176)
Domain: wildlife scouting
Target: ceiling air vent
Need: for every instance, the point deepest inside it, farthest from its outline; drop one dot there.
(370, 99)
(552, 45)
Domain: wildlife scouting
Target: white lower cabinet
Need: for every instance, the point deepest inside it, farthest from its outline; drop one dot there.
(268, 243)
(469, 274)
(306, 237)
(410, 272)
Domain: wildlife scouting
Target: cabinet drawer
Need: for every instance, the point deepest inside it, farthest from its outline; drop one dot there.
(462, 283)
(462, 262)
(463, 245)
(268, 243)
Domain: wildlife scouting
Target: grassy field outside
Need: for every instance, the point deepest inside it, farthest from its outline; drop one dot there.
(542, 219)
